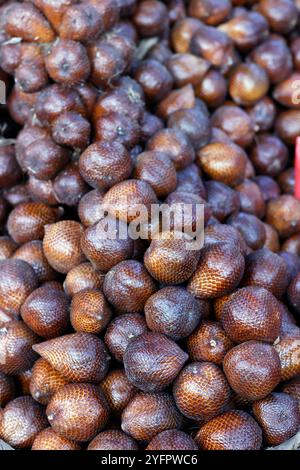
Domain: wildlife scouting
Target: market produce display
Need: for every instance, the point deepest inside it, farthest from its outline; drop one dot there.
(126, 343)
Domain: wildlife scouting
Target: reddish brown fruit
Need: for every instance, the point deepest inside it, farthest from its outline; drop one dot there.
(17, 281)
(279, 417)
(7, 389)
(219, 271)
(127, 286)
(248, 84)
(175, 144)
(209, 342)
(45, 381)
(283, 214)
(71, 129)
(236, 123)
(212, 89)
(280, 14)
(187, 68)
(152, 361)
(182, 33)
(222, 199)
(181, 98)
(148, 414)
(118, 390)
(266, 269)
(151, 18)
(221, 233)
(46, 312)
(251, 228)
(81, 23)
(41, 191)
(62, 245)
(158, 170)
(68, 186)
(78, 411)
(172, 439)
(105, 251)
(173, 312)
(21, 420)
(252, 369)
(90, 312)
(170, 261)
(252, 313)
(292, 388)
(90, 208)
(83, 276)
(23, 380)
(288, 349)
(16, 340)
(223, 162)
(7, 247)
(104, 164)
(33, 254)
(26, 222)
(80, 357)
(263, 114)
(50, 440)
(201, 391)
(294, 293)
(121, 331)
(26, 22)
(124, 199)
(112, 440)
(251, 198)
(272, 242)
(234, 430)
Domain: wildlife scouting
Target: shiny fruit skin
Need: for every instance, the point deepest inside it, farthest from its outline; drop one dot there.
(201, 391)
(279, 417)
(172, 439)
(78, 411)
(152, 361)
(48, 439)
(233, 430)
(252, 369)
(112, 440)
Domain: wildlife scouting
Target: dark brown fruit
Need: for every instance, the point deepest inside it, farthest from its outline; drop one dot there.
(292, 388)
(152, 361)
(90, 208)
(222, 199)
(288, 349)
(236, 123)
(172, 439)
(219, 271)
(17, 281)
(50, 440)
(68, 186)
(83, 276)
(263, 114)
(248, 84)
(45, 381)
(16, 353)
(217, 233)
(90, 312)
(158, 170)
(7, 247)
(33, 254)
(80, 357)
(46, 312)
(209, 342)
(252, 369)
(25, 21)
(104, 164)
(279, 417)
(223, 162)
(174, 312)
(148, 414)
(212, 89)
(234, 430)
(251, 198)
(150, 18)
(280, 14)
(170, 261)
(21, 420)
(105, 249)
(78, 411)
(121, 331)
(266, 269)
(10, 172)
(252, 313)
(250, 227)
(112, 440)
(124, 199)
(175, 144)
(62, 245)
(7, 389)
(118, 390)
(294, 293)
(127, 286)
(201, 391)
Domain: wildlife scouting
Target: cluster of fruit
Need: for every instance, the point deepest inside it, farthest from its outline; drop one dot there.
(145, 344)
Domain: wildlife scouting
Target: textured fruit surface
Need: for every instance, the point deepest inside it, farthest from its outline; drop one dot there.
(80, 357)
(279, 417)
(233, 430)
(50, 440)
(201, 391)
(172, 440)
(252, 313)
(44, 382)
(22, 419)
(112, 440)
(152, 361)
(252, 369)
(148, 414)
(118, 390)
(78, 411)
